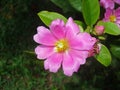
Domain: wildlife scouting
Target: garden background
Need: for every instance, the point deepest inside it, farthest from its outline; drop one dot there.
(21, 70)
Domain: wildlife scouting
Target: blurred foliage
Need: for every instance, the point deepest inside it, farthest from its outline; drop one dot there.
(20, 70)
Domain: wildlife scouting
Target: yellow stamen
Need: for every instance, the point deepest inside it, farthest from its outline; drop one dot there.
(112, 18)
(61, 45)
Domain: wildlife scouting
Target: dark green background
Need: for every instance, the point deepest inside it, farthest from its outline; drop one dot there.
(20, 70)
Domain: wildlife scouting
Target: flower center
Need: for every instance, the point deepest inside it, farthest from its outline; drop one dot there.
(61, 45)
(112, 18)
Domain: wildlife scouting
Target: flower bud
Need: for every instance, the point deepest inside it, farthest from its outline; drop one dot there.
(95, 50)
(99, 30)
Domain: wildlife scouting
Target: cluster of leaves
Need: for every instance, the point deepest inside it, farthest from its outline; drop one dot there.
(91, 14)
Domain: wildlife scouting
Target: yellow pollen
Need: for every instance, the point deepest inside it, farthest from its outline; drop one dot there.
(61, 45)
(112, 18)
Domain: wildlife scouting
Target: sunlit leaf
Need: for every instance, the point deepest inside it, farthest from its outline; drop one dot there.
(104, 57)
(110, 28)
(91, 11)
(48, 17)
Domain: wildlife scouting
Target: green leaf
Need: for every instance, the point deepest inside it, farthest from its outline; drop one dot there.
(76, 4)
(104, 57)
(48, 17)
(91, 11)
(110, 28)
(79, 23)
(115, 49)
(63, 4)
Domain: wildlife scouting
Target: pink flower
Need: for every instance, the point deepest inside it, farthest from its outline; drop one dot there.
(63, 45)
(109, 3)
(99, 29)
(112, 16)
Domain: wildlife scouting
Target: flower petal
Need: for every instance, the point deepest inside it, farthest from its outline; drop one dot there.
(107, 4)
(80, 56)
(46, 64)
(108, 13)
(118, 18)
(72, 39)
(69, 65)
(83, 41)
(73, 26)
(43, 52)
(44, 36)
(117, 12)
(87, 40)
(118, 22)
(117, 1)
(53, 63)
(57, 28)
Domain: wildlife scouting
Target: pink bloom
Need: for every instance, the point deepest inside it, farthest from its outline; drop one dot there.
(109, 3)
(63, 45)
(112, 16)
(99, 30)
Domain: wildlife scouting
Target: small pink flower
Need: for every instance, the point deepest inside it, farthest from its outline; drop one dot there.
(109, 3)
(99, 30)
(63, 45)
(112, 16)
